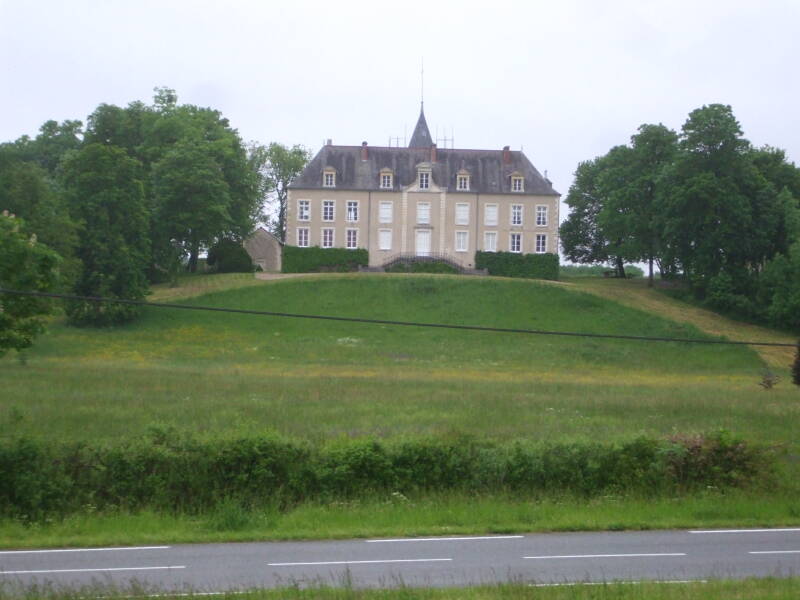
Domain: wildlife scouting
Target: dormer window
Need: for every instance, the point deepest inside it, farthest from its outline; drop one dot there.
(462, 181)
(424, 180)
(386, 179)
(517, 183)
(329, 178)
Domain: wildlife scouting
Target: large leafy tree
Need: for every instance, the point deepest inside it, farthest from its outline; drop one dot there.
(192, 198)
(275, 167)
(583, 238)
(26, 265)
(630, 185)
(169, 135)
(104, 189)
(27, 190)
(721, 215)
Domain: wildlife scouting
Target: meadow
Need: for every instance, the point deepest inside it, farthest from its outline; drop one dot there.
(224, 376)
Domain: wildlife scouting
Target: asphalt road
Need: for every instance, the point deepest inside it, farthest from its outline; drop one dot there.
(538, 559)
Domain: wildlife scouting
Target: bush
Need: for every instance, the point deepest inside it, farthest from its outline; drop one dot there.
(229, 256)
(171, 473)
(510, 264)
(316, 259)
(428, 266)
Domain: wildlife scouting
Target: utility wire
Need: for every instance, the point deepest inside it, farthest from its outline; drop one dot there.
(268, 313)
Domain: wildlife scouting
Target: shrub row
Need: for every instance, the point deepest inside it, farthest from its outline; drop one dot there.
(511, 264)
(41, 479)
(316, 259)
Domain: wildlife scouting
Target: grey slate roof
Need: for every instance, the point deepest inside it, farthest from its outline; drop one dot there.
(421, 138)
(488, 173)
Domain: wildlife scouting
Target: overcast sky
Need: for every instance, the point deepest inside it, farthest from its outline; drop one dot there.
(565, 80)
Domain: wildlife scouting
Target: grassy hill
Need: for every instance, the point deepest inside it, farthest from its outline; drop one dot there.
(227, 374)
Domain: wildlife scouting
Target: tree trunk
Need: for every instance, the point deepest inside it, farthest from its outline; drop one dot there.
(193, 254)
(650, 273)
(620, 267)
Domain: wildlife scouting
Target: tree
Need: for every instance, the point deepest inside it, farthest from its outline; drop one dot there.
(193, 199)
(104, 189)
(28, 191)
(208, 156)
(719, 213)
(25, 265)
(275, 167)
(630, 185)
(583, 239)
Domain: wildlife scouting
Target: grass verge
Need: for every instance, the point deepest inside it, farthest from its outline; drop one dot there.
(397, 515)
(750, 589)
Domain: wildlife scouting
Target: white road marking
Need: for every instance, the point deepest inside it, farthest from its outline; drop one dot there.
(608, 555)
(84, 550)
(91, 570)
(359, 562)
(449, 539)
(612, 582)
(785, 529)
(775, 552)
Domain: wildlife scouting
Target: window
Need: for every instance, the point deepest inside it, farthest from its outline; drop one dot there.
(329, 179)
(541, 243)
(352, 239)
(516, 184)
(386, 181)
(385, 212)
(541, 215)
(352, 210)
(424, 180)
(490, 214)
(385, 239)
(462, 183)
(302, 237)
(462, 214)
(304, 210)
(490, 241)
(423, 213)
(327, 238)
(516, 214)
(515, 243)
(327, 210)
(461, 241)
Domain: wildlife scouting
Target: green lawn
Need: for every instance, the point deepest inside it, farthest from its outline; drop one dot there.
(228, 374)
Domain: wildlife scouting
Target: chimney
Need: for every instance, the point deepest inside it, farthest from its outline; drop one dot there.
(433, 153)
(363, 150)
(506, 155)
(329, 142)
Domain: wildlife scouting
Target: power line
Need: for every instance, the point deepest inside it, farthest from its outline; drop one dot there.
(267, 313)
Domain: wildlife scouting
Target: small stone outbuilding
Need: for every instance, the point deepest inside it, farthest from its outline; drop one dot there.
(264, 249)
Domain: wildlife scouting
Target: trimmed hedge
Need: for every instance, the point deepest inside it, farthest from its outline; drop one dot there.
(511, 264)
(316, 259)
(164, 473)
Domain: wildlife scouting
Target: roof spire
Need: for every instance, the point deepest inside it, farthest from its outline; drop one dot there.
(421, 138)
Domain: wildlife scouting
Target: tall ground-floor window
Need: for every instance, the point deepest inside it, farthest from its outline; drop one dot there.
(302, 237)
(327, 238)
(515, 242)
(541, 243)
(490, 241)
(352, 239)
